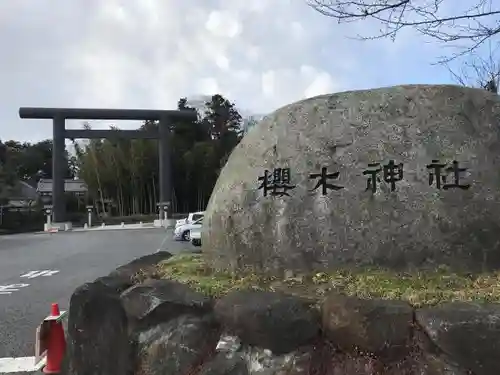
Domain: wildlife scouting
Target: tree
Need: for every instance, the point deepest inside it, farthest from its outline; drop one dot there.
(478, 71)
(7, 176)
(222, 117)
(432, 18)
(226, 130)
(126, 171)
(7, 181)
(3, 153)
(30, 161)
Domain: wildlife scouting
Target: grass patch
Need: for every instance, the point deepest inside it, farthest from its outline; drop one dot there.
(419, 288)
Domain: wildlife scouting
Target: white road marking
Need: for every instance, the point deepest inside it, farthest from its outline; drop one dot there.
(33, 274)
(20, 364)
(8, 289)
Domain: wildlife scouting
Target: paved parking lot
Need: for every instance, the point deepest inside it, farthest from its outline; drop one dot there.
(37, 270)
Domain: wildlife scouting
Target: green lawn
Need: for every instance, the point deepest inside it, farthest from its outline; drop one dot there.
(419, 289)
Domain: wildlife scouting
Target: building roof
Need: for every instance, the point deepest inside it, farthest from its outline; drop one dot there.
(23, 190)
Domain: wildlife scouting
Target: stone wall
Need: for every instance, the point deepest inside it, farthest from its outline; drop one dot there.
(154, 327)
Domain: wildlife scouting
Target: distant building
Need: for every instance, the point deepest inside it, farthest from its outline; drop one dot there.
(24, 195)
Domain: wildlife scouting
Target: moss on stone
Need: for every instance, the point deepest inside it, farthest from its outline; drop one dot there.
(418, 288)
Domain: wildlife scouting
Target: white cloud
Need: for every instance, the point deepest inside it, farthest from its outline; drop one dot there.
(222, 62)
(208, 86)
(321, 84)
(262, 54)
(268, 83)
(223, 24)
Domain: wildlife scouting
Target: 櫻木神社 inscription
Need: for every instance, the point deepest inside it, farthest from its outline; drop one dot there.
(279, 181)
(403, 178)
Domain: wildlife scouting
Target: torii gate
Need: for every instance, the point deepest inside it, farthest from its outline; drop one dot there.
(60, 133)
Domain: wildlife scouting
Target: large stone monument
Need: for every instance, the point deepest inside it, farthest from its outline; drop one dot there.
(401, 177)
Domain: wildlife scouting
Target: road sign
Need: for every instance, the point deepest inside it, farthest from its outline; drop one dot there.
(165, 204)
(71, 186)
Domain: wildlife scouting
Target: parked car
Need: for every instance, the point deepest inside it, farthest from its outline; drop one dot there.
(183, 232)
(191, 218)
(195, 236)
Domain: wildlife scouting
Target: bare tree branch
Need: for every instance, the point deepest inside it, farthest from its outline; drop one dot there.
(473, 26)
(479, 71)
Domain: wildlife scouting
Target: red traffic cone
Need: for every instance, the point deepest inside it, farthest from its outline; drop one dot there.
(56, 344)
(54, 310)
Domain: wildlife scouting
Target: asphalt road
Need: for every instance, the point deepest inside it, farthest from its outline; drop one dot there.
(62, 261)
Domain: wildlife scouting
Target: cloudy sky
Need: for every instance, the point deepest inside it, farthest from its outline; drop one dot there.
(261, 54)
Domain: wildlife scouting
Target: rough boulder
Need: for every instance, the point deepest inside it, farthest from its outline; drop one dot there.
(400, 177)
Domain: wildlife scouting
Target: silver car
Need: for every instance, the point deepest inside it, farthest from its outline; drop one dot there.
(183, 232)
(196, 236)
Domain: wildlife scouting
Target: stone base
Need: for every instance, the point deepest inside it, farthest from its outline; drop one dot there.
(164, 223)
(64, 226)
(252, 329)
